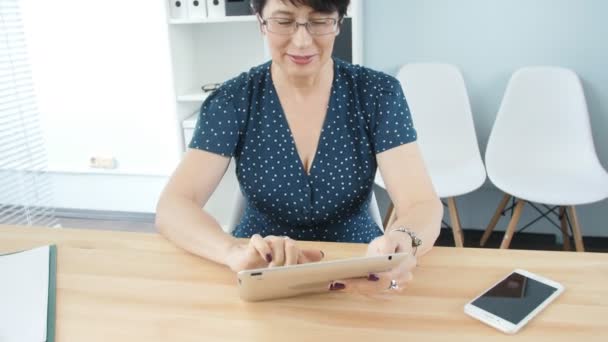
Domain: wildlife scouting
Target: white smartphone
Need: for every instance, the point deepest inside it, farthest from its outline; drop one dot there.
(514, 300)
(294, 280)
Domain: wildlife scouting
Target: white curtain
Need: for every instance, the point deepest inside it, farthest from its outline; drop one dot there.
(25, 187)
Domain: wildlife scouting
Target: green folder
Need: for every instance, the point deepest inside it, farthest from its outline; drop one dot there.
(50, 311)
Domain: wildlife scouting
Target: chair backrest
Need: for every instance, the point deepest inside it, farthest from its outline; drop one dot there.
(542, 122)
(439, 103)
(374, 211)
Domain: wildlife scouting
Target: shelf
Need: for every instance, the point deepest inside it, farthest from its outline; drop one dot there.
(231, 19)
(190, 121)
(193, 95)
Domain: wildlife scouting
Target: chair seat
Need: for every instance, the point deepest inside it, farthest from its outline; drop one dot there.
(452, 178)
(553, 187)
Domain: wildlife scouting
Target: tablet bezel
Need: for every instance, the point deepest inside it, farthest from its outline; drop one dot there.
(293, 280)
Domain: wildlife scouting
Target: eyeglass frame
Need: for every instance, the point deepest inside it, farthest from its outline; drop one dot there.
(337, 22)
(210, 87)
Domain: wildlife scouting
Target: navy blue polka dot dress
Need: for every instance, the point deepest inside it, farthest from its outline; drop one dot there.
(367, 114)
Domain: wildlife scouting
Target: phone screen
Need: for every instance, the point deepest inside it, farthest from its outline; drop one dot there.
(514, 298)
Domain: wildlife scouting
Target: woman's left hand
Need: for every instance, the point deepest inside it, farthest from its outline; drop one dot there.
(400, 276)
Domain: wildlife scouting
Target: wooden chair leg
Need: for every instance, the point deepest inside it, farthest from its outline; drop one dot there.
(389, 215)
(506, 240)
(576, 230)
(495, 218)
(564, 225)
(455, 221)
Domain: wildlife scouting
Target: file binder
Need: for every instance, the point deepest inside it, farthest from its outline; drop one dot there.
(216, 8)
(178, 9)
(197, 9)
(238, 7)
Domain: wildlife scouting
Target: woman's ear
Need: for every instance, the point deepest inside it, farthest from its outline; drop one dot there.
(261, 24)
(339, 25)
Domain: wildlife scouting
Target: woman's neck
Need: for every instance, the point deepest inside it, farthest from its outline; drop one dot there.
(302, 86)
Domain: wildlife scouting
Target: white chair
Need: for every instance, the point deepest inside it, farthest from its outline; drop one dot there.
(541, 149)
(440, 108)
(239, 208)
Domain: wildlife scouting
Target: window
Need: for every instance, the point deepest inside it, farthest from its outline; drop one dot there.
(25, 187)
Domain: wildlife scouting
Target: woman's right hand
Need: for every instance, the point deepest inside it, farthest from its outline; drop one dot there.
(270, 251)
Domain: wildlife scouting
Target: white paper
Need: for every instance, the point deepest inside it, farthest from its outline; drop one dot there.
(24, 287)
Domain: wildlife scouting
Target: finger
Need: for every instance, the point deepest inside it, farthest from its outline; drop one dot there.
(381, 246)
(408, 278)
(310, 255)
(357, 285)
(375, 284)
(337, 286)
(291, 251)
(410, 263)
(401, 282)
(278, 251)
(262, 247)
(401, 271)
(402, 274)
(372, 284)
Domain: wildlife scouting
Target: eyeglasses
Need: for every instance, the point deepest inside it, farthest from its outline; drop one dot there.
(210, 87)
(316, 27)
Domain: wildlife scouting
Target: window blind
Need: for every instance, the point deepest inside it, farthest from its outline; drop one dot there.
(25, 187)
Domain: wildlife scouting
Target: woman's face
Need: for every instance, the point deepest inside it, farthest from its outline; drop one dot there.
(299, 54)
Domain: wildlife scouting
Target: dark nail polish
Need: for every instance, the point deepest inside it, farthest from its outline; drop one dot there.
(373, 277)
(322, 254)
(337, 286)
(269, 257)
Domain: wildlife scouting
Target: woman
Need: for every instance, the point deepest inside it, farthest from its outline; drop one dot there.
(307, 133)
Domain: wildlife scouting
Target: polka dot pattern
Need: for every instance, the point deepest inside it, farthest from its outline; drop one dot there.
(367, 114)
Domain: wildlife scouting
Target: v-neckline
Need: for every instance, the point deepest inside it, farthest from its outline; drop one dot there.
(307, 173)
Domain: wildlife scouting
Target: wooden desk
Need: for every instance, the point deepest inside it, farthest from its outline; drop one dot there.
(115, 286)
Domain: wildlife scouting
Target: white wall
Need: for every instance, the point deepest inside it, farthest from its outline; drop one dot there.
(102, 74)
(488, 40)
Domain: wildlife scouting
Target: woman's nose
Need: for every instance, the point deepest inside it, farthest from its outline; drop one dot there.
(301, 38)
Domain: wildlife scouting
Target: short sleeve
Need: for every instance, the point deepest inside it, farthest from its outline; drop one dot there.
(393, 124)
(217, 128)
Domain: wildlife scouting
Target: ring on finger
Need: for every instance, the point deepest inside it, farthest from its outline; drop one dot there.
(393, 285)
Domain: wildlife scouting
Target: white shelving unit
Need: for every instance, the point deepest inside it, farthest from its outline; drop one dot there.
(210, 51)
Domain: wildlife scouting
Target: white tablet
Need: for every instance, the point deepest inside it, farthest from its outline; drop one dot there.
(514, 300)
(288, 281)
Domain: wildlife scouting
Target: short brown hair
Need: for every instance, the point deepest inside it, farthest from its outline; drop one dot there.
(322, 6)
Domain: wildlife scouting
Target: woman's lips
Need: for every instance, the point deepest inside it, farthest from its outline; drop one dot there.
(300, 59)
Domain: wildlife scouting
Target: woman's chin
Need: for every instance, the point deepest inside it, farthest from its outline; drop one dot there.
(301, 70)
